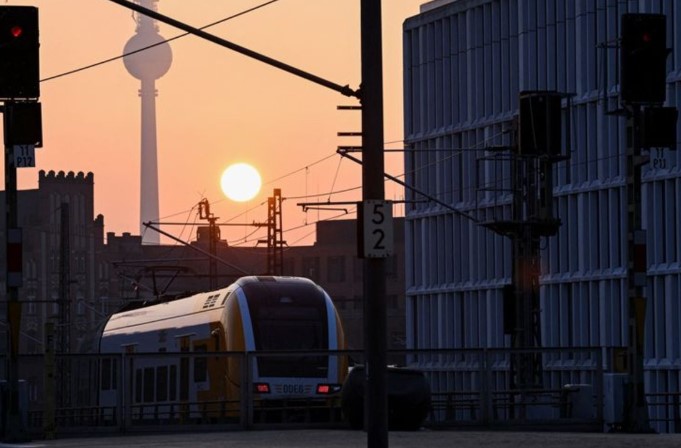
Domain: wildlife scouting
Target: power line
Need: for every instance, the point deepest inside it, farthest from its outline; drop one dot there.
(301, 169)
(317, 195)
(106, 61)
(302, 226)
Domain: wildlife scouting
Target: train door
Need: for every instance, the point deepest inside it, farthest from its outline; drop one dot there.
(183, 383)
(210, 373)
(108, 385)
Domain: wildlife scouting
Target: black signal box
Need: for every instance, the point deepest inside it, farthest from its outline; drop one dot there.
(540, 123)
(643, 57)
(23, 124)
(19, 53)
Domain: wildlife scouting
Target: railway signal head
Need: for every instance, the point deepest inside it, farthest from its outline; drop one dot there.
(643, 58)
(19, 53)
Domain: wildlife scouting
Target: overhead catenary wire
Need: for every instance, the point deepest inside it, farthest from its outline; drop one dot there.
(106, 61)
(572, 165)
(223, 20)
(340, 215)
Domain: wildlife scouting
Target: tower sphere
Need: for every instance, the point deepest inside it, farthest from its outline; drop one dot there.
(148, 64)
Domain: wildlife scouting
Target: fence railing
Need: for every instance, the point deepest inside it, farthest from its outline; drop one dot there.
(665, 409)
(147, 391)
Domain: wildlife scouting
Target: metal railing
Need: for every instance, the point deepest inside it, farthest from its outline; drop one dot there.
(473, 387)
(469, 387)
(665, 411)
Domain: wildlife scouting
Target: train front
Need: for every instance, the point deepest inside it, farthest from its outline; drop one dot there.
(292, 328)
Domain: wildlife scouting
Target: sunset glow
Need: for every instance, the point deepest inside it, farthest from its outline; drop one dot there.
(210, 99)
(240, 182)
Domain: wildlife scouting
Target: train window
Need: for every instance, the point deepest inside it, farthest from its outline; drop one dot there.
(148, 384)
(289, 317)
(184, 379)
(200, 364)
(184, 368)
(162, 383)
(109, 375)
(173, 383)
(106, 374)
(114, 374)
(138, 386)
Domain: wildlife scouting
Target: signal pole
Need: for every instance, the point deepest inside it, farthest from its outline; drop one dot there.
(373, 189)
(14, 425)
(19, 80)
(636, 417)
(537, 149)
(643, 72)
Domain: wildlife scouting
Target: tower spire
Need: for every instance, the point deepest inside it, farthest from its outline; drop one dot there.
(148, 66)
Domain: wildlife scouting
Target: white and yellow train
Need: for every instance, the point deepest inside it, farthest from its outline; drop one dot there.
(253, 315)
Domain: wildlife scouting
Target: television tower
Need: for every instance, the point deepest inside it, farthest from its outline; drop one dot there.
(148, 66)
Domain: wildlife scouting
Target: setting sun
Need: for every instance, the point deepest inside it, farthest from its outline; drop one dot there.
(240, 182)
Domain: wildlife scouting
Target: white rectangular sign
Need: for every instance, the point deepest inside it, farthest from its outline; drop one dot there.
(662, 159)
(24, 156)
(377, 229)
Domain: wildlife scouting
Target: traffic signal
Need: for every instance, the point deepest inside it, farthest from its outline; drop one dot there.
(23, 123)
(539, 120)
(643, 58)
(19, 55)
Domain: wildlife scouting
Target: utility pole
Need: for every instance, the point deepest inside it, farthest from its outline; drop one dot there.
(275, 241)
(373, 192)
(373, 189)
(213, 237)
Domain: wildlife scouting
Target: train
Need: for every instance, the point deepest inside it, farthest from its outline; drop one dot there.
(187, 355)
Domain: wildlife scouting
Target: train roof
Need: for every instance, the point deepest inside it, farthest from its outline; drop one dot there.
(189, 308)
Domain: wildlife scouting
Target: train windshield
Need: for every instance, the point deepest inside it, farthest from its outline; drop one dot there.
(288, 316)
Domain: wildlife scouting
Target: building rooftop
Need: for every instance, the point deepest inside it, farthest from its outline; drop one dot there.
(435, 4)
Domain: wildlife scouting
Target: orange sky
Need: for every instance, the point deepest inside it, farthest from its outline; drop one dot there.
(214, 107)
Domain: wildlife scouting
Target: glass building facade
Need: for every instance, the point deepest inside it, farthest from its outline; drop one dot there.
(465, 64)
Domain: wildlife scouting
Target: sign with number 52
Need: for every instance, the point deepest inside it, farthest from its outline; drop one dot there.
(375, 229)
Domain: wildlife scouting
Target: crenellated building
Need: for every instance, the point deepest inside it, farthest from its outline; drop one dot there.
(51, 274)
(75, 275)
